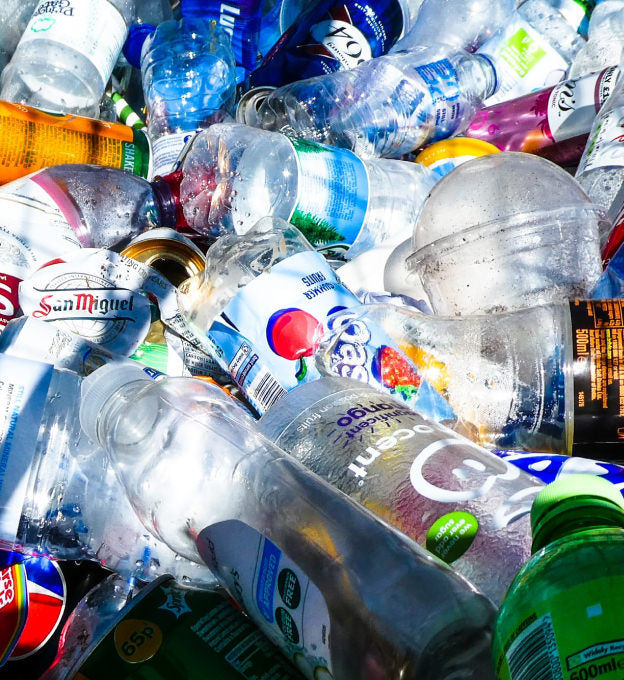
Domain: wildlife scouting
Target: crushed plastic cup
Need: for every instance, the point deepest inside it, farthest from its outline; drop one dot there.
(504, 232)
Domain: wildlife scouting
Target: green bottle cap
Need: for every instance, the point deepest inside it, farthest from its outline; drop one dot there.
(575, 503)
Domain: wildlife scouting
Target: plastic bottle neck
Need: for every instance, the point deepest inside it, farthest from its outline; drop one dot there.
(600, 515)
(167, 194)
(488, 71)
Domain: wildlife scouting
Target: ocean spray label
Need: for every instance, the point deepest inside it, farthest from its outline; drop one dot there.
(523, 59)
(105, 297)
(606, 144)
(573, 104)
(329, 37)
(443, 491)
(440, 79)
(276, 593)
(265, 337)
(34, 229)
(95, 28)
(332, 196)
(23, 388)
(571, 635)
(363, 351)
(168, 626)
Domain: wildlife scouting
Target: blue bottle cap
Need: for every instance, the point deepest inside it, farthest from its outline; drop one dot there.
(137, 35)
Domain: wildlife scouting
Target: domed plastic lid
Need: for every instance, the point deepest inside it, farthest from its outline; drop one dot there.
(494, 188)
(582, 498)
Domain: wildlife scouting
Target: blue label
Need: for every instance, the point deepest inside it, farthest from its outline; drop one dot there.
(329, 37)
(267, 335)
(440, 78)
(239, 18)
(267, 578)
(332, 196)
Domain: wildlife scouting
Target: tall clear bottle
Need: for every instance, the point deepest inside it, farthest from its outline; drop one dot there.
(605, 39)
(562, 615)
(461, 502)
(233, 175)
(189, 83)
(386, 106)
(67, 54)
(341, 593)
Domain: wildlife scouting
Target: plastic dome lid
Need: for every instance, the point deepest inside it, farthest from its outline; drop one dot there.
(493, 189)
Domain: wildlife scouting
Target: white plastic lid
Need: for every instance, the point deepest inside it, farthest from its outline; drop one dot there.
(98, 387)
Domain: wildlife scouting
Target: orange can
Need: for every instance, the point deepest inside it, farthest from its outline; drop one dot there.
(31, 139)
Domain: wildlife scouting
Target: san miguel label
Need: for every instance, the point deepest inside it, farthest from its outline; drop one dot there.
(598, 375)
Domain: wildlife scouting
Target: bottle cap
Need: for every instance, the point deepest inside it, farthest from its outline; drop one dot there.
(576, 501)
(99, 386)
(137, 35)
(167, 194)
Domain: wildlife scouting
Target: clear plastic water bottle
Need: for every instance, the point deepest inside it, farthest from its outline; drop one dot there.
(537, 379)
(601, 169)
(233, 175)
(386, 106)
(562, 614)
(342, 594)
(165, 628)
(188, 74)
(464, 24)
(14, 16)
(59, 496)
(67, 54)
(605, 40)
(461, 502)
(536, 47)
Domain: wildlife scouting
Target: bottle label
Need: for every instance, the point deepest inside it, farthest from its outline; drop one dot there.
(524, 61)
(182, 632)
(573, 104)
(107, 298)
(331, 38)
(288, 607)
(13, 608)
(571, 635)
(167, 149)
(598, 355)
(363, 351)
(443, 491)
(606, 145)
(332, 196)
(94, 28)
(33, 139)
(23, 388)
(440, 78)
(266, 336)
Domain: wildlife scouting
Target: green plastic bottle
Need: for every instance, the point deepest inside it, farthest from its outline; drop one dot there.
(563, 615)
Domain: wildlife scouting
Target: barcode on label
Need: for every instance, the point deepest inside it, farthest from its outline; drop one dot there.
(533, 654)
(266, 390)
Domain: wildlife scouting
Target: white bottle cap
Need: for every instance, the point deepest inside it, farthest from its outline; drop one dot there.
(99, 386)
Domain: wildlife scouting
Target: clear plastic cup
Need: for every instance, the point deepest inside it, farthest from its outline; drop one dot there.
(505, 232)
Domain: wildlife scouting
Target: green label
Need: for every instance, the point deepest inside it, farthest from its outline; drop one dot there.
(451, 535)
(522, 52)
(178, 632)
(576, 634)
(136, 154)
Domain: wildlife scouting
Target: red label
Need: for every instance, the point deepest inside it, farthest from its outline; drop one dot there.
(8, 298)
(13, 608)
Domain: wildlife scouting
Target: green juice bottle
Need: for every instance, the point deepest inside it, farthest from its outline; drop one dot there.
(562, 617)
